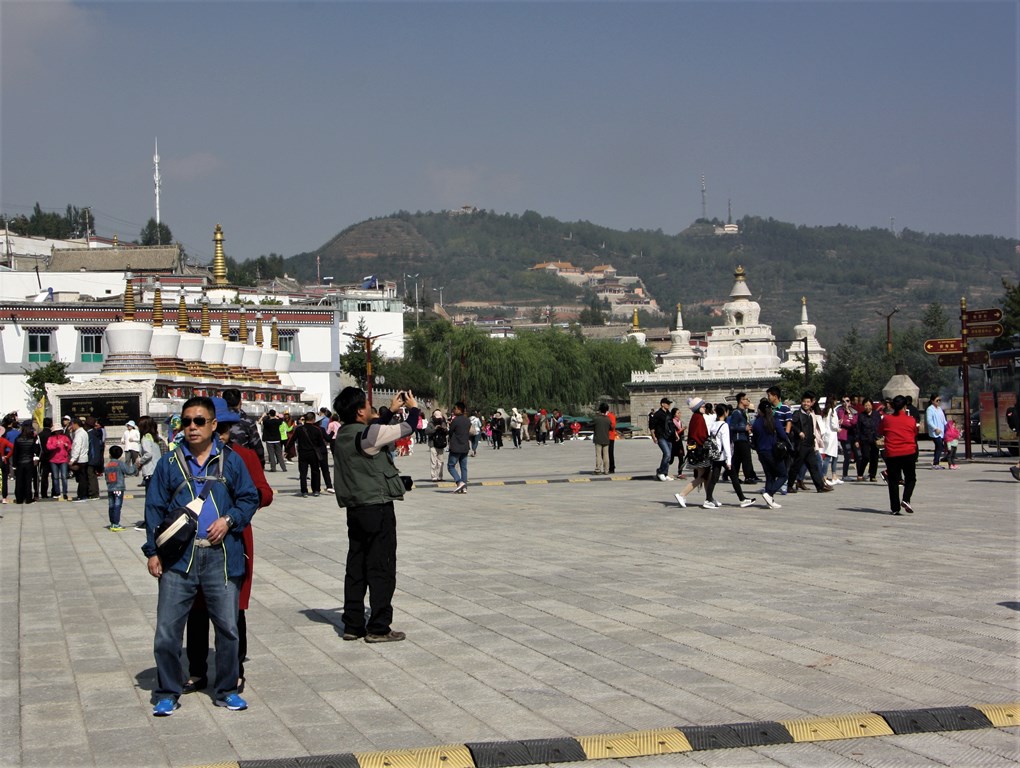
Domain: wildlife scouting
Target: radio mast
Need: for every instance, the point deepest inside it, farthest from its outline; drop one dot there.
(156, 182)
(704, 198)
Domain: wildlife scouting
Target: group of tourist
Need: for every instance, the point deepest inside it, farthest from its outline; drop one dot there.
(794, 445)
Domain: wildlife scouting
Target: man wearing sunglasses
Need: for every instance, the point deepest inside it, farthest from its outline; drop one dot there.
(213, 563)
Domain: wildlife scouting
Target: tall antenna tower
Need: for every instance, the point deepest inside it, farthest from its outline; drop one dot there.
(157, 181)
(704, 198)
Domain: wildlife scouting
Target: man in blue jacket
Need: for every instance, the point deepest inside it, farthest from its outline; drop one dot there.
(213, 562)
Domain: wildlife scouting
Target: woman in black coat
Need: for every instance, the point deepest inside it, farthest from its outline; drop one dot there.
(24, 459)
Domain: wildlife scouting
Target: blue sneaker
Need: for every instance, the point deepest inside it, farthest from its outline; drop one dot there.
(233, 702)
(165, 707)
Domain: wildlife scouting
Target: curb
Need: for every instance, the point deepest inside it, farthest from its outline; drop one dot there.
(663, 741)
(551, 481)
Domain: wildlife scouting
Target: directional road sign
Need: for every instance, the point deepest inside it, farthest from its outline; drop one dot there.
(940, 346)
(990, 331)
(956, 359)
(983, 315)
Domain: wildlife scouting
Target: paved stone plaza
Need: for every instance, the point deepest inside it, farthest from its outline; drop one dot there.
(539, 610)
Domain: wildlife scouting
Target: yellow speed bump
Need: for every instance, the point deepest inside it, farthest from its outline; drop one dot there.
(493, 482)
(663, 741)
(536, 482)
(1001, 715)
(579, 480)
(451, 756)
(842, 727)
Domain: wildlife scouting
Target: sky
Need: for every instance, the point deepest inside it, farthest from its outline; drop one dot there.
(286, 122)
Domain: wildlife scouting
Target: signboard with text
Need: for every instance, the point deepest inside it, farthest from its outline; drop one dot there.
(956, 359)
(111, 410)
(983, 315)
(990, 331)
(940, 346)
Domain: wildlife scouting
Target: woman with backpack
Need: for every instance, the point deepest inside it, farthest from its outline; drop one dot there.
(697, 451)
(437, 435)
(151, 449)
(720, 445)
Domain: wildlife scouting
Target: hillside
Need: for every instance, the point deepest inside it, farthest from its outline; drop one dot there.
(850, 276)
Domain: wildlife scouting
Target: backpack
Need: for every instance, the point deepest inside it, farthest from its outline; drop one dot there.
(715, 452)
(439, 439)
(1011, 420)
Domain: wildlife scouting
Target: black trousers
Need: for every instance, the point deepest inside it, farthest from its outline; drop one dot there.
(197, 635)
(742, 459)
(308, 461)
(867, 456)
(805, 455)
(905, 467)
(371, 568)
(81, 475)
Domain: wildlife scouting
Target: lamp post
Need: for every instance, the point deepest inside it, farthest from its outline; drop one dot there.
(888, 328)
(415, 277)
(440, 290)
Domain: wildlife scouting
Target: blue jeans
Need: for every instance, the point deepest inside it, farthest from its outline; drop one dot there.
(775, 472)
(457, 460)
(116, 502)
(939, 446)
(59, 473)
(176, 594)
(667, 453)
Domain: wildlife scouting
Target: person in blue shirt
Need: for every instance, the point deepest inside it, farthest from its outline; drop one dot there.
(935, 420)
(214, 562)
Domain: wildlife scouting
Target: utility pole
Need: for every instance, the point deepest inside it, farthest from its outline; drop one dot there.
(157, 182)
(414, 277)
(440, 290)
(888, 328)
(367, 341)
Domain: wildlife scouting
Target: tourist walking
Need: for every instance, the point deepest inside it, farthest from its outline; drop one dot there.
(660, 424)
(773, 447)
(803, 432)
(461, 442)
(865, 441)
(6, 449)
(97, 454)
(678, 454)
(516, 423)
(697, 450)
(24, 460)
(740, 435)
(115, 470)
(899, 430)
(131, 442)
(720, 433)
(601, 426)
(829, 441)
(80, 460)
(151, 450)
(310, 444)
(847, 415)
(475, 431)
(437, 436)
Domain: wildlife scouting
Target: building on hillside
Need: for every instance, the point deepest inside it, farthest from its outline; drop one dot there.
(738, 356)
(64, 316)
(624, 293)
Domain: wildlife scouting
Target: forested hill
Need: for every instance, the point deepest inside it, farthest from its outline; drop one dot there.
(850, 276)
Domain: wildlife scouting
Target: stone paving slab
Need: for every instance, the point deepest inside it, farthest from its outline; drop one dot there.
(538, 610)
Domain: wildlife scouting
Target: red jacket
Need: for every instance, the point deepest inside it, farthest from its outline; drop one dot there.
(697, 429)
(900, 433)
(258, 476)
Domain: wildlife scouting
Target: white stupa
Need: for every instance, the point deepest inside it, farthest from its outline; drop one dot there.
(795, 354)
(742, 346)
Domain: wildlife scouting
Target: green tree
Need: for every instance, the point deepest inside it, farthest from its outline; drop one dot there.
(155, 234)
(1010, 338)
(354, 360)
(592, 314)
(53, 372)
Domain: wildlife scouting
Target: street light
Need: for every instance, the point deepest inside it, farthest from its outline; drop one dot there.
(415, 277)
(440, 290)
(367, 341)
(888, 328)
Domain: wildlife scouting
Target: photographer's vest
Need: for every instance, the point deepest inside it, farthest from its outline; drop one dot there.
(361, 480)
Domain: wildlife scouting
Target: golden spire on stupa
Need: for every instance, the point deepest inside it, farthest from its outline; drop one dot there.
(242, 329)
(634, 325)
(205, 326)
(274, 334)
(225, 326)
(182, 314)
(219, 264)
(259, 338)
(129, 298)
(157, 306)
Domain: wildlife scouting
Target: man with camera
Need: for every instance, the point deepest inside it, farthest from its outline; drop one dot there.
(367, 482)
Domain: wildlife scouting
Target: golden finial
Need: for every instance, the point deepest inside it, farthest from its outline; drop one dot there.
(219, 268)
(157, 306)
(225, 326)
(803, 299)
(242, 329)
(182, 314)
(116, 242)
(259, 338)
(205, 326)
(274, 334)
(740, 274)
(129, 298)
(634, 325)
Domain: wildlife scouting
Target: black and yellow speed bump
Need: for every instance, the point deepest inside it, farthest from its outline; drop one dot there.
(683, 738)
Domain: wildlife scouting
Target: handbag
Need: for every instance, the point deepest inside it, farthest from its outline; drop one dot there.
(781, 451)
(180, 526)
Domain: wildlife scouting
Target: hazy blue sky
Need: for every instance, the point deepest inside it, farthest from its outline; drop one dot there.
(286, 122)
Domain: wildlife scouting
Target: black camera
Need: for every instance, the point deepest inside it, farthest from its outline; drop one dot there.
(408, 482)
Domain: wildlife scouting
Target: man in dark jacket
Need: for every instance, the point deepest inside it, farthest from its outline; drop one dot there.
(97, 457)
(459, 446)
(367, 483)
(601, 426)
(803, 433)
(866, 441)
(663, 432)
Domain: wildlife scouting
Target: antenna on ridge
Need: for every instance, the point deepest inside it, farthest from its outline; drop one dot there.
(704, 198)
(157, 181)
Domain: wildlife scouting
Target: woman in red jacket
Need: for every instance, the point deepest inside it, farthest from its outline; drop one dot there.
(900, 432)
(697, 459)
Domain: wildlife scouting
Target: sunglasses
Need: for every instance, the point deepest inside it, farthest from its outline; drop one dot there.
(198, 421)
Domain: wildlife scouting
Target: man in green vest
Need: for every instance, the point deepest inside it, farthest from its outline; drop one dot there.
(367, 482)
